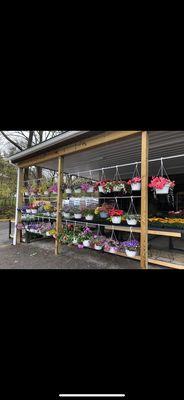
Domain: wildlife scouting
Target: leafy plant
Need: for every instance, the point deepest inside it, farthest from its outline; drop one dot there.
(159, 182)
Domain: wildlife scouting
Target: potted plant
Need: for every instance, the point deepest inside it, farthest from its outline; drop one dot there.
(119, 186)
(67, 212)
(98, 242)
(25, 191)
(135, 183)
(33, 189)
(111, 246)
(116, 216)
(77, 213)
(53, 189)
(87, 187)
(131, 247)
(161, 185)
(89, 214)
(103, 211)
(102, 186)
(85, 237)
(77, 183)
(132, 219)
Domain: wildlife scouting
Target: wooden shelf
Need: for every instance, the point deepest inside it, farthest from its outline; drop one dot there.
(150, 231)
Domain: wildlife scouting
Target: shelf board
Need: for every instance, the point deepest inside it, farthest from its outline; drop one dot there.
(150, 231)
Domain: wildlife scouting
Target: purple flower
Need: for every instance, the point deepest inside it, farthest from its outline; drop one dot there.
(80, 246)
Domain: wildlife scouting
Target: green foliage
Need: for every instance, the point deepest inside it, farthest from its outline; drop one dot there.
(7, 179)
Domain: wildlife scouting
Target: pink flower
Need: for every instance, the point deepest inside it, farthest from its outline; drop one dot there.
(80, 246)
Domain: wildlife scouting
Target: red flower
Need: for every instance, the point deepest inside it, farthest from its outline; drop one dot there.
(158, 182)
(137, 179)
(115, 213)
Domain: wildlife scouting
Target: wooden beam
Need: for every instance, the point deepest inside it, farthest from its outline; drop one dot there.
(144, 201)
(19, 202)
(165, 264)
(59, 205)
(150, 232)
(84, 144)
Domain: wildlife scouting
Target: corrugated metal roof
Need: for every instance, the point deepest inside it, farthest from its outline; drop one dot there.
(128, 150)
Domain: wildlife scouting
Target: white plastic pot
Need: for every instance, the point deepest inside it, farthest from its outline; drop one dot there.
(131, 253)
(77, 216)
(48, 234)
(101, 189)
(26, 193)
(116, 220)
(33, 194)
(165, 190)
(116, 189)
(136, 186)
(28, 211)
(131, 221)
(103, 214)
(77, 190)
(74, 241)
(68, 191)
(90, 189)
(66, 215)
(86, 243)
(98, 247)
(54, 192)
(112, 250)
(34, 211)
(46, 193)
(89, 217)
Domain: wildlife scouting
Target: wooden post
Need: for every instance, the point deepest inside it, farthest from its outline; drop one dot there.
(144, 201)
(59, 205)
(19, 201)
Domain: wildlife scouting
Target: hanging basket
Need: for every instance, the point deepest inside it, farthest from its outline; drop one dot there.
(135, 182)
(160, 184)
(131, 217)
(136, 186)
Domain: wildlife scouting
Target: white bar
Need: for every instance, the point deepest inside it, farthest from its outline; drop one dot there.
(92, 395)
(16, 212)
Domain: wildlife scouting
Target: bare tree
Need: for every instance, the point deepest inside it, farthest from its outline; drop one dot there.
(22, 140)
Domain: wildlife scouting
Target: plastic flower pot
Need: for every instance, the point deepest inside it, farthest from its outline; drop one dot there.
(101, 189)
(131, 221)
(28, 211)
(103, 214)
(165, 190)
(116, 189)
(98, 247)
(86, 243)
(130, 253)
(116, 220)
(54, 192)
(48, 234)
(77, 216)
(90, 189)
(34, 211)
(33, 194)
(46, 193)
(77, 190)
(66, 215)
(26, 193)
(112, 250)
(74, 241)
(89, 217)
(68, 191)
(136, 186)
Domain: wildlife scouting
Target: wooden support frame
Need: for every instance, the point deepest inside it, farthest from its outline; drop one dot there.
(59, 204)
(84, 144)
(19, 202)
(144, 200)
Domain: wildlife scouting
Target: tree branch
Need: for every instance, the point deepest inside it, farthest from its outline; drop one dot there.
(11, 141)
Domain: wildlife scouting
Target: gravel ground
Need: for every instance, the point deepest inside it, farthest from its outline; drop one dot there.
(40, 255)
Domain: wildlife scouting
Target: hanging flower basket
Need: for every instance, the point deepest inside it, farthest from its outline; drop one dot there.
(131, 247)
(77, 191)
(89, 214)
(68, 191)
(131, 220)
(135, 183)
(116, 216)
(161, 185)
